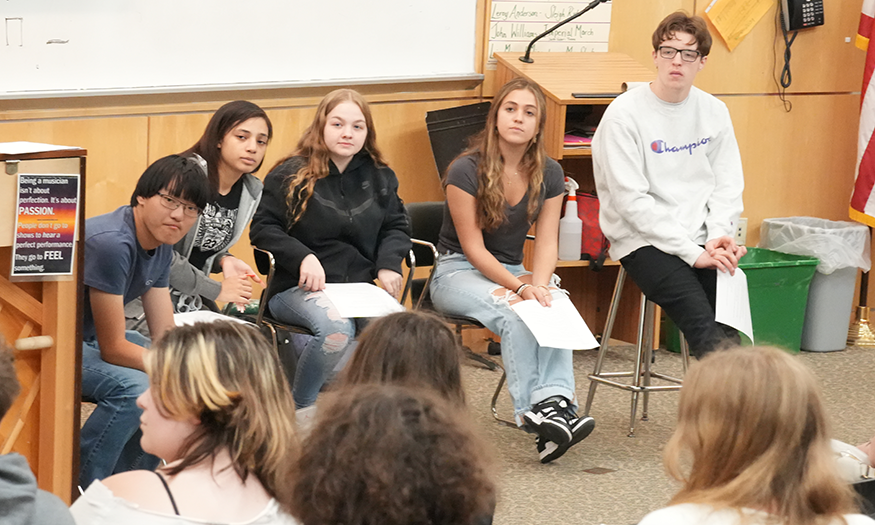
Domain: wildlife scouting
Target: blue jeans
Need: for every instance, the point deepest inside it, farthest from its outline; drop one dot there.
(110, 439)
(333, 336)
(534, 373)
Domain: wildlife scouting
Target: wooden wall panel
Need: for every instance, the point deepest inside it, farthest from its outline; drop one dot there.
(798, 163)
(632, 24)
(822, 60)
(116, 153)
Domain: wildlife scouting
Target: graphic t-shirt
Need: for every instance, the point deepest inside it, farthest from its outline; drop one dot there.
(216, 227)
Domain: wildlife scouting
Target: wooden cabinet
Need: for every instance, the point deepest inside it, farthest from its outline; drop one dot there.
(43, 422)
(559, 75)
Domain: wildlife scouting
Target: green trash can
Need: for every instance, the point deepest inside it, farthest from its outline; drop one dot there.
(777, 284)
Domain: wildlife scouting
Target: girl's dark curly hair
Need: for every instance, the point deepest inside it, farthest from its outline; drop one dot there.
(391, 455)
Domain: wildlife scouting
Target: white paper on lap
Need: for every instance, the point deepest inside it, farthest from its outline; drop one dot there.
(361, 300)
(203, 316)
(557, 326)
(733, 303)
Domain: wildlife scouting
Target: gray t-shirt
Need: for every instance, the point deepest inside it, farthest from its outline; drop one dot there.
(505, 242)
(115, 262)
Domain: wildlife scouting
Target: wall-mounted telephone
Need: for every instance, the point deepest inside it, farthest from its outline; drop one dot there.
(802, 14)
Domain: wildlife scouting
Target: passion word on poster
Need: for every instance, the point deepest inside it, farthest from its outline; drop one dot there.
(45, 228)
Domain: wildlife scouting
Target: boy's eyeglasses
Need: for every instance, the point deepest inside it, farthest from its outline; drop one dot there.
(172, 204)
(687, 55)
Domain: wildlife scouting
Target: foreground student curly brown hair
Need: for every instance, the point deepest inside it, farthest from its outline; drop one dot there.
(391, 455)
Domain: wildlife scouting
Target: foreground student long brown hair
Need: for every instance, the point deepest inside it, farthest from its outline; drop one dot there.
(391, 455)
(407, 348)
(753, 423)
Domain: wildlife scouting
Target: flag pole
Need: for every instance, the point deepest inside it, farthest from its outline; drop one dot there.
(860, 333)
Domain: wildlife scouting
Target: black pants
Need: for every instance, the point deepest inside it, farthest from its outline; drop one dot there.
(686, 294)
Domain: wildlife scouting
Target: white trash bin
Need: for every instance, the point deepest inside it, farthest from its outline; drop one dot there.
(841, 247)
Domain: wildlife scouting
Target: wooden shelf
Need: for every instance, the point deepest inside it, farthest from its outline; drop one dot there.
(581, 264)
(576, 152)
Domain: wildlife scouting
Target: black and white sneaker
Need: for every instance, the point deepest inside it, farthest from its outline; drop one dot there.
(549, 451)
(549, 419)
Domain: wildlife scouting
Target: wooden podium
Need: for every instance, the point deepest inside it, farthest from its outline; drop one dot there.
(43, 423)
(559, 75)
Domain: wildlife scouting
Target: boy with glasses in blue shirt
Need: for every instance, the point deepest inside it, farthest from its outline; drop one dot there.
(127, 255)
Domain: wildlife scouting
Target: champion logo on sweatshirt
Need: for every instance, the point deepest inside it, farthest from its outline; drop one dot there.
(659, 146)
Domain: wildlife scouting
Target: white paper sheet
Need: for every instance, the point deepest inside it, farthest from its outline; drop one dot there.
(733, 303)
(203, 316)
(559, 326)
(361, 300)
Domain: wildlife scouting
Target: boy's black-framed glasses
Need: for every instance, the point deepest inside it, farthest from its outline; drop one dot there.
(172, 203)
(687, 55)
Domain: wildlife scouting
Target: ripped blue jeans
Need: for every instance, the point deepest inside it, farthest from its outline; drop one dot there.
(534, 373)
(332, 338)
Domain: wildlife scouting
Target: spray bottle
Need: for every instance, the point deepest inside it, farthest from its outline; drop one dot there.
(570, 225)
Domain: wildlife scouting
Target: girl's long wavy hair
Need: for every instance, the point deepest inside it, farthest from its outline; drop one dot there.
(491, 204)
(753, 431)
(222, 122)
(410, 348)
(313, 148)
(226, 375)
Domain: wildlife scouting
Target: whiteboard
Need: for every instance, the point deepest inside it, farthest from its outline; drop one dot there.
(88, 47)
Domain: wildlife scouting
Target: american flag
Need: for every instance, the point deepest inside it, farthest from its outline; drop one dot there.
(862, 207)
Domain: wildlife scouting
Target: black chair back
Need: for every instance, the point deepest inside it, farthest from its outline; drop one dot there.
(426, 219)
(450, 128)
(866, 492)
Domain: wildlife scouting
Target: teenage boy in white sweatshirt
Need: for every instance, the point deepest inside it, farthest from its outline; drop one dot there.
(669, 180)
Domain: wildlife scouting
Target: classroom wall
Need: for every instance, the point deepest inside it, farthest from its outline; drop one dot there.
(796, 163)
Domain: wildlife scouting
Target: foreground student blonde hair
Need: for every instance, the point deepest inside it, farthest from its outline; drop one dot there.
(218, 411)
(753, 424)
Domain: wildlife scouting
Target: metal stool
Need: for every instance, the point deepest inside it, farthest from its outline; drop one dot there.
(642, 374)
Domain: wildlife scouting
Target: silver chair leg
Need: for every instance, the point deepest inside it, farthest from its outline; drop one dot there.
(685, 352)
(639, 355)
(495, 399)
(650, 313)
(606, 336)
(643, 375)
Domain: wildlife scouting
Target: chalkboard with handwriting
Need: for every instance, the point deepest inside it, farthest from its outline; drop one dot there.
(513, 24)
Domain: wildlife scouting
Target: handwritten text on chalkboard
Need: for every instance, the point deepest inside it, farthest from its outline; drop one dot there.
(512, 25)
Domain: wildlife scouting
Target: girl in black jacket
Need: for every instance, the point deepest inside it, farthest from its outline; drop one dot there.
(330, 213)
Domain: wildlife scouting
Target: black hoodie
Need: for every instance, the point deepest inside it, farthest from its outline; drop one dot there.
(355, 223)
